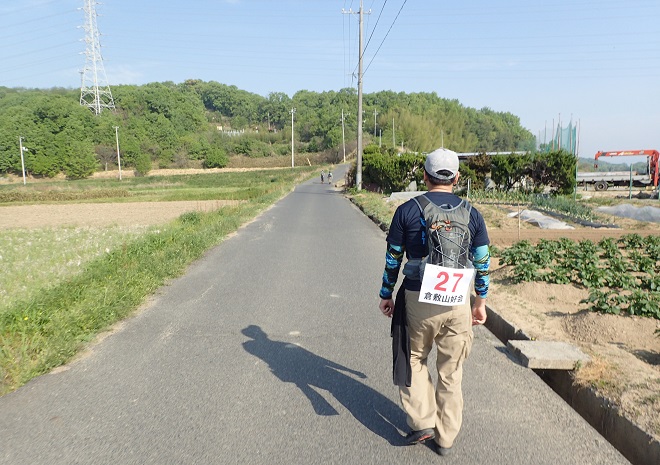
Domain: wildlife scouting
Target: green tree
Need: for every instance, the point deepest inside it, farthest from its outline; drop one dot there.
(40, 164)
(508, 171)
(81, 161)
(75, 154)
(555, 170)
(478, 167)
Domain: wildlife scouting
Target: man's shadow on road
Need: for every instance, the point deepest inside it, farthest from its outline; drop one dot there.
(293, 364)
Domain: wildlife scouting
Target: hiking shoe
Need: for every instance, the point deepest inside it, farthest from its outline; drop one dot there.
(444, 451)
(415, 437)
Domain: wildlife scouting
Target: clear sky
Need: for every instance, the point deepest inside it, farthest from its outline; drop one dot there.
(595, 61)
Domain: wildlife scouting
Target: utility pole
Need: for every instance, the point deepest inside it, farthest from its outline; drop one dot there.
(118, 158)
(358, 176)
(393, 136)
(94, 89)
(293, 110)
(20, 143)
(343, 135)
(358, 173)
(375, 115)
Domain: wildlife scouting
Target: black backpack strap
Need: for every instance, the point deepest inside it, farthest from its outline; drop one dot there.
(422, 201)
(466, 204)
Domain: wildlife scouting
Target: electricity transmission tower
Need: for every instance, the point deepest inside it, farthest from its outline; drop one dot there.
(94, 90)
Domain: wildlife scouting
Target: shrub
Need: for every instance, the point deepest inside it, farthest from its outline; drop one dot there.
(142, 164)
(391, 172)
(216, 158)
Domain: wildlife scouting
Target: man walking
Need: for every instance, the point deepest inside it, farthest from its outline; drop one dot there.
(443, 315)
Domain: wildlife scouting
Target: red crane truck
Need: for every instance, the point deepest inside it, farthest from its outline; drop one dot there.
(602, 180)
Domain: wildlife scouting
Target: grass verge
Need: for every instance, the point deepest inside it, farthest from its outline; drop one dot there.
(374, 206)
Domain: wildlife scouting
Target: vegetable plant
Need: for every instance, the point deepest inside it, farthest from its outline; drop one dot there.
(621, 275)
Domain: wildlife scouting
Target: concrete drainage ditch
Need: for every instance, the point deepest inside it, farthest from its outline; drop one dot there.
(638, 446)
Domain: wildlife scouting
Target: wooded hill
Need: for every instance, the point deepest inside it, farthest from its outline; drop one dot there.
(197, 123)
(589, 164)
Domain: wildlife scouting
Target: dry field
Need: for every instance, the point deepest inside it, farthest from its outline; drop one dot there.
(101, 214)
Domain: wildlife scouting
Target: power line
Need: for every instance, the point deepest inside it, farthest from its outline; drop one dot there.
(368, 18)
(360, 53)
(34, 20)
(375, 26)
(66, 44)
(388, 32)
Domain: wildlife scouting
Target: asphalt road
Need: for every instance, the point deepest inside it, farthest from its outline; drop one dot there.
(271, 350)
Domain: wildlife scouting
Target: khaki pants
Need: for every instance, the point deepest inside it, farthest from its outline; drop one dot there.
(426, 405)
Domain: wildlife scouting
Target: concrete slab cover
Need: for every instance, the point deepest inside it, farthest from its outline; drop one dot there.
(547, 354)
(394, 196)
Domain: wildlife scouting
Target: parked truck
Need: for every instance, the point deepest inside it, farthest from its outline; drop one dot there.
(604, 179)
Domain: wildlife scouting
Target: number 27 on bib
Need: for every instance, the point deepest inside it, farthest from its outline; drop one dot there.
(445, 286)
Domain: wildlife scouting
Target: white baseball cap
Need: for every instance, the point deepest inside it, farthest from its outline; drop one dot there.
(442, 164)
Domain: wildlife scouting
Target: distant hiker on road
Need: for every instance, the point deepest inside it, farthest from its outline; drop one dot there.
(322, 176)
(329, 177)
(437, 231)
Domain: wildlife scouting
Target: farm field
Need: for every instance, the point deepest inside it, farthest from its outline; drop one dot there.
(624, 349)
(102, 214)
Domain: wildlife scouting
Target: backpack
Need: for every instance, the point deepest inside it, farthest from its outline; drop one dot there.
(446, 234)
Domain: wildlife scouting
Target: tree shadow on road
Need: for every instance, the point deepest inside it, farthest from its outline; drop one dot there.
(293, 364)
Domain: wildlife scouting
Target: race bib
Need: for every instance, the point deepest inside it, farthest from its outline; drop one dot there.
(446, 286)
